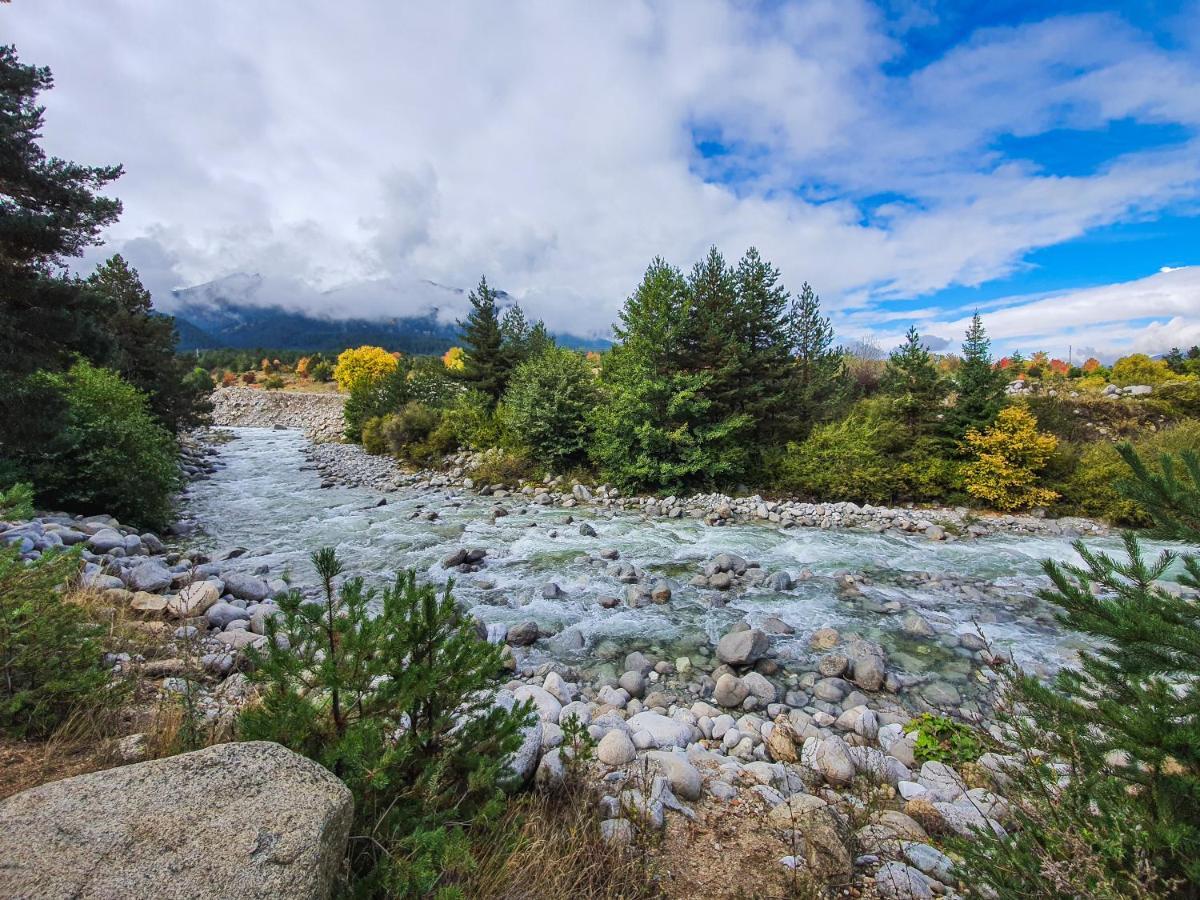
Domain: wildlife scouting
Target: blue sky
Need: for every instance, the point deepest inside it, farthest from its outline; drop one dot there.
(912, 159)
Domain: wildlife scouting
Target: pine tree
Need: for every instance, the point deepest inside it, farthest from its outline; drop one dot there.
(52, 211)
(764, 377)
(915, 387)
(484, 365)
(143, 345)
(658, 429)
(820, 367)
(1126, 722)
(394, 693)
(980, 384)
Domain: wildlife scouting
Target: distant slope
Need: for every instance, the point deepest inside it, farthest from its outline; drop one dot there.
(228, 313)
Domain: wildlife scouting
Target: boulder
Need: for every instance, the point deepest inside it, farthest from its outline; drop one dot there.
(681, 775)
(730, 691)
(151, 576)
(742, 648)
(106, 540)
(245, 587)
(149, 605)
(615, 748)
(868, 665)
(161, 829)
(663, 731)
(523, 635)
(194, 599)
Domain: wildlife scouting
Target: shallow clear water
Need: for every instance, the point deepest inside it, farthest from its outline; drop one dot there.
(264, 500)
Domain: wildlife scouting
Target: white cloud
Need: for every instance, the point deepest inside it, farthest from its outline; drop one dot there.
(360, 145)
(1148, 315)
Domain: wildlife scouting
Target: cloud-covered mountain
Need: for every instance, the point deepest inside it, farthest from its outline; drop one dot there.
(246, 311)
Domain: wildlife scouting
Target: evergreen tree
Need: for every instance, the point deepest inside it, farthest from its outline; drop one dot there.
(916, 388)
(484, 365)
(980, 384)
(658, 429)
(50, 211)
(143, 345)
(1126, 722)
(820, 378)
(764, 377)
(520, 340)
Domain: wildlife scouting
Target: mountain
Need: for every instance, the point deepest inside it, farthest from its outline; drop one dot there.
(244, 311)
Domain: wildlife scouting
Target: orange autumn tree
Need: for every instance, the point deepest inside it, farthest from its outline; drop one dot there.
(453, 359)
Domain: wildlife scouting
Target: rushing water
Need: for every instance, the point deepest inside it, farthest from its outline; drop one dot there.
(265, 500)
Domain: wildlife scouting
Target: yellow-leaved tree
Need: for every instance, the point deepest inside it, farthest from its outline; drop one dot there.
(362, 364)
(1007, 458)
(1138, 368)
(453, 359)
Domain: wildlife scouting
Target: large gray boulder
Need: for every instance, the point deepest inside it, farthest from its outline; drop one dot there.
(742, 648)
(245, 587)
(245, 820)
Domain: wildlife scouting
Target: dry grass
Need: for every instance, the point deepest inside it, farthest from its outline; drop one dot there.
(549, 846)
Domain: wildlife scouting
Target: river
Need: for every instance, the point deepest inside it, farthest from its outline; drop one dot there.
(265, 499)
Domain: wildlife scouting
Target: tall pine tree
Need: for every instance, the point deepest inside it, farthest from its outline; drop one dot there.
(820, 371)
(50, 211)
(763, 378)
(143, 344)
(485, 366)
(980, 384)
(658, 428)
(916, 388)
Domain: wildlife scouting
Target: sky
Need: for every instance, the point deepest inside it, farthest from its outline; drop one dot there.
(913, 160)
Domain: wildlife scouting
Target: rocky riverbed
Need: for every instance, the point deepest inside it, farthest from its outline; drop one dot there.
(719, 663)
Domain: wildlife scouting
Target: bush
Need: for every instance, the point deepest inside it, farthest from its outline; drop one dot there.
(473, 423)
(17, 502)
(1177, 400)
(548, 402)
(391, 692)
(1007, 459)
(503, 467)
(944, 740)
(107, 454)
(362, 364)
(846, 460)
(273, 383)
(1138, 368)
(1094, 486)
(249, 378)
(373, 440)
(411, 425)
(322, 372)
(229, 379)
(52, 663)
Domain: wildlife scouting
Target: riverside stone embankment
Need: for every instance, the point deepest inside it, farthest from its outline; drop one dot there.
(318, 415)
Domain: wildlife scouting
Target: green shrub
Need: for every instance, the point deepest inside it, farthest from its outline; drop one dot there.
(410, 426)
(548, 402)
(17, 502)
(273, 383)
(474, 423)
(1094, 486)
(107, 453)
(846, 460)
(51, 660)
(373, 440)
(391, 692)
(944, 740)
(322, 372)
(1177, 399)
(504, 467)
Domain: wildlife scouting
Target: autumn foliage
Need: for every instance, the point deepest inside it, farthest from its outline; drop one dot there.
(1006, 460)
(362, 364)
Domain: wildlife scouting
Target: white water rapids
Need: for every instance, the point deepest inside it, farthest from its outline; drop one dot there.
(265, 501)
